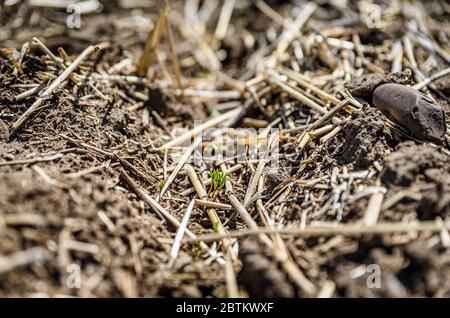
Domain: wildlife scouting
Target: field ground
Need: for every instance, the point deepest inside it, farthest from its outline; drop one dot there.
(358, 206)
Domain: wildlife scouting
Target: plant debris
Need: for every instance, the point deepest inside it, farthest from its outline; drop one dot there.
(106, 189)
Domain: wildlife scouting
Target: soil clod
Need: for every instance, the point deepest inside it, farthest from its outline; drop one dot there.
(365, 85)
(367, 138)
(411, 161)
(260, 274)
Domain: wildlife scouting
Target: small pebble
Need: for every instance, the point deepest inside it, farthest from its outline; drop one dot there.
(411, 109)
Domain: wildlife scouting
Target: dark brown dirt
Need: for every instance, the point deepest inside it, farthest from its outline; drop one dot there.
(166, 104)
(37, 214)
(413, 162)
(260, 274)
(407, 270)
(364, 85)
(443, 84)
(426, 171)
(375, 266)
(365, 138)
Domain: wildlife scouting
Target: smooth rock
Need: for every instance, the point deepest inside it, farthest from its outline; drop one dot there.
(411, 109)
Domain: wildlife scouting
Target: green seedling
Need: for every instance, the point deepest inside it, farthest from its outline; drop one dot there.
(218, 179)
(212, 112)
(162, 183)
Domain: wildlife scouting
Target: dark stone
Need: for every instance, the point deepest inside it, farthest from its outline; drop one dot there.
(411, 109)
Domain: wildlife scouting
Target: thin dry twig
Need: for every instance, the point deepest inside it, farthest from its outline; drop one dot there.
(154, 37)
(179, 236)
(160, 210)
(218, 226)
(21, 258)
(335, 229)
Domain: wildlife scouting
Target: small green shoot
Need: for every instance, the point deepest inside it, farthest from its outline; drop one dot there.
(212, 112)
(194, 252)
(162, 183)
(194, 255)
(218, 179)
